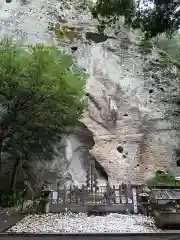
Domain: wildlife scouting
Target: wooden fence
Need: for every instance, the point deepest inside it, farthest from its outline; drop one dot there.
(109, 199)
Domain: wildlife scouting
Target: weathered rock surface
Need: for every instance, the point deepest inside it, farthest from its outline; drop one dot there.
(145, 127)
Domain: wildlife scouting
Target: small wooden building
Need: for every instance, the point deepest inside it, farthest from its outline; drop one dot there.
(164, 196)
(165, 207)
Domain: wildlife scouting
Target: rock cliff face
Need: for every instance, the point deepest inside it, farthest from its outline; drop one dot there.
(142, 92)
(145, 127)
(129, 96)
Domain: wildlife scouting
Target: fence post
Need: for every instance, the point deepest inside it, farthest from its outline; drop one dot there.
(76, 194)
(70, 194)
(134, 199)
(120, 194)
(88, 177)
(64, 197)
(82, 195)
(58, 192)
(92, 177)
(114, 194)
(138, 188)
(124, 186)
(108, 194)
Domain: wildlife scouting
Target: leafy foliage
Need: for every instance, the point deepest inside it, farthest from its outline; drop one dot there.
(162, 178)
(158, 17)
(41, 97)
(110, 11)
(153, 17)
(11, 198)
(114, 8)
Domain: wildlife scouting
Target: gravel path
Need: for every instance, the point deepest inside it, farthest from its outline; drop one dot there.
(73, 223)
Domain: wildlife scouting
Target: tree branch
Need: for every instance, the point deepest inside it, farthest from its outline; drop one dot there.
(18, 107)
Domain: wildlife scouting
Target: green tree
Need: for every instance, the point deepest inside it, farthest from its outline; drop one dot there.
(153, 17)
(107, 12)
(159, 17)
(41, 97)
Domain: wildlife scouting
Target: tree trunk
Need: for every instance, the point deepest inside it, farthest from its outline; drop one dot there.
(14, 173)
(1, 144)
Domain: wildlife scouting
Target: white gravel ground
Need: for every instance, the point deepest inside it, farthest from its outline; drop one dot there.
(73, 223)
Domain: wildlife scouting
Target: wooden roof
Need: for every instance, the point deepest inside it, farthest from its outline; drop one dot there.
(166, 194)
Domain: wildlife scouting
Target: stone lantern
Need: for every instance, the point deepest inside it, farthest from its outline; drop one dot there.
(145, 194)
(46, 193)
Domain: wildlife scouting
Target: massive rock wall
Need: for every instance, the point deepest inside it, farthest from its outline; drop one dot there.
(142, 90)
(145, 127)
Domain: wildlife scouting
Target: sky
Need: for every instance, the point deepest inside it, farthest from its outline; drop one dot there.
(149, 4)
